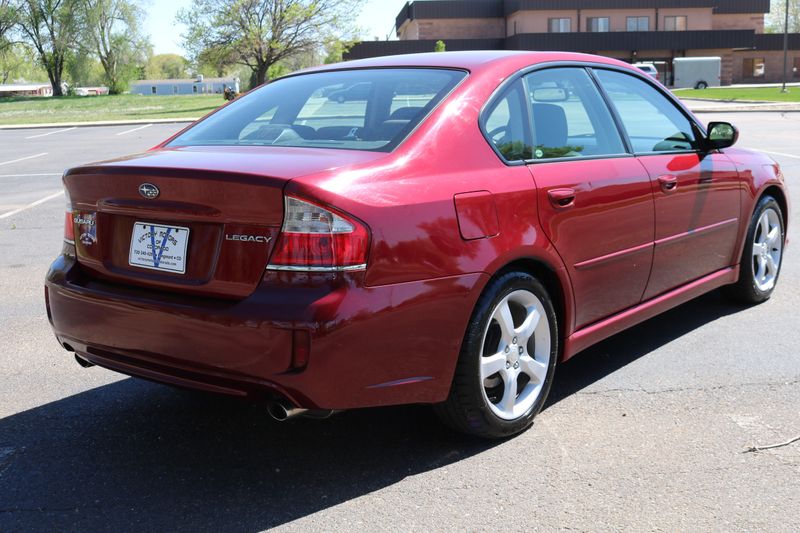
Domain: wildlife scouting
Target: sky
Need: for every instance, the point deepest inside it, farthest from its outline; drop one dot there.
(376, 20)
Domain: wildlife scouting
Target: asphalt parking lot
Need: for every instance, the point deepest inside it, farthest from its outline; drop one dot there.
(644, 432)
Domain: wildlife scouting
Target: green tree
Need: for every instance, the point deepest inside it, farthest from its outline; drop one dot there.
(777, 13)
(261, 33)
(439, 47)
(8, 19)
(111, 31)
(51, 27)
(166, 67)
(82, 69)
(18, 63)
(335, 50)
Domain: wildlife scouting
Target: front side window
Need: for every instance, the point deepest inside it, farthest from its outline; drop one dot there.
(598, 24)
(560, 25)
(677, 23)
(365, 109)
(638, 24)
(505, 125)
(569, 116)
(652, 121)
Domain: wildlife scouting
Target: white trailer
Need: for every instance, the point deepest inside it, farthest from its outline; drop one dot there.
(697, 72)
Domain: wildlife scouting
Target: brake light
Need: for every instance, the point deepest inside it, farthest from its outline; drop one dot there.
(69, 227)
(319, 239)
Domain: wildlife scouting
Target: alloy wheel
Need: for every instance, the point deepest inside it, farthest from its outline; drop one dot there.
(767, 250)
(515, 354)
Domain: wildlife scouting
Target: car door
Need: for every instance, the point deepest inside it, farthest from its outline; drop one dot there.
(595, 199)
(697, 199)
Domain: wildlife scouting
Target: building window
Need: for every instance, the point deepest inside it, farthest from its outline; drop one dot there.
(753, 67)
(796, 68)
(597, 24)
(174, 89)
(675, 23)
(153, 90)
(194, 89)
(560, 25)
(638, 24)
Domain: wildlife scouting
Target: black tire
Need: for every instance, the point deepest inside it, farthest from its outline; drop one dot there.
(745, 289)
(466, 408)
(701, 85)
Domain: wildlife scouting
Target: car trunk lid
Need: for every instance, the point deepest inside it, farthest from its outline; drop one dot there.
(204, 223)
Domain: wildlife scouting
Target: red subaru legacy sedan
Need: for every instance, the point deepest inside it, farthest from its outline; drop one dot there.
(445, 236)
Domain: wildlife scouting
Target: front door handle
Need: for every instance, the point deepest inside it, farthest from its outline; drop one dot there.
(668, 183)
(562, 198)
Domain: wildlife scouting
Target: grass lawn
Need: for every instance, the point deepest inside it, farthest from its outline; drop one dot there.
(29, 110)
(732, 94)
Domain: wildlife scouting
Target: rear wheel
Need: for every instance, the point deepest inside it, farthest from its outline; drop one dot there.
(507, 360)
(763, 252)
(701, 85)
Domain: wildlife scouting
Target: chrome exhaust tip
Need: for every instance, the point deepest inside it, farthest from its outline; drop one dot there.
(282, 412)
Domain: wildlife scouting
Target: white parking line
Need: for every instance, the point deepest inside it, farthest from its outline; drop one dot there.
(32, 204)
(42, 174)
(134, 129)
(49, 133)
(23, 159)
(780, 154)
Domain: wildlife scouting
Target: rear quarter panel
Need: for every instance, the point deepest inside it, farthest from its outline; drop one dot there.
(408, 199)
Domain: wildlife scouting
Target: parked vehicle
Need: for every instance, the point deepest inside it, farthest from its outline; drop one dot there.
(697, 72)
(358, 91)
(450, 254)
(649, 69)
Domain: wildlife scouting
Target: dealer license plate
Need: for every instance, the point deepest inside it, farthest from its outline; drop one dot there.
(159, 247)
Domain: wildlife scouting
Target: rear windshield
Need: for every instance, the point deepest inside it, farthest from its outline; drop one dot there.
(371, 109)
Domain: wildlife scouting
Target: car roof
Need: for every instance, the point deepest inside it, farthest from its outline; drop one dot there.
(469, 60)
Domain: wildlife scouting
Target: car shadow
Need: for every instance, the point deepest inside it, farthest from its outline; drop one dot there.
(618, 351)
(133, 455)
(139, 456)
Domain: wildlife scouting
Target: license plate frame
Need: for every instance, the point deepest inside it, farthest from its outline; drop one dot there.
(158, 246)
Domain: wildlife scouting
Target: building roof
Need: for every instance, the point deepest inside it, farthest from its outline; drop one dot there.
(23, 87)
(184, 80)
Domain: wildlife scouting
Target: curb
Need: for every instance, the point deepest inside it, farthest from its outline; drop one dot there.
(741, 110)
(137, 122)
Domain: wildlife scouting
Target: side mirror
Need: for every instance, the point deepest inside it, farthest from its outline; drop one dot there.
(722, 135)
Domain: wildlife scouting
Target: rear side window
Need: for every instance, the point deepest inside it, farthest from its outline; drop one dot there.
(570, 118)
(367, 109)
(652, 121)
(506, 125)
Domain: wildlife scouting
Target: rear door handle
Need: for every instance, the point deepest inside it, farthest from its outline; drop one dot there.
(668, 183)
(562, 198)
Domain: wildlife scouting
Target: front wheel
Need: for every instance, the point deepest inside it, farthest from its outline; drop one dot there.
(701, 85)
(507, 360)
(763, 252)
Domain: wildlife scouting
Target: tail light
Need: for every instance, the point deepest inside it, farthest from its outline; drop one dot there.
(319, 239)
(69, 226)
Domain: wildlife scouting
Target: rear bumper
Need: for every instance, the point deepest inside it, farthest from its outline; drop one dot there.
(369, 346)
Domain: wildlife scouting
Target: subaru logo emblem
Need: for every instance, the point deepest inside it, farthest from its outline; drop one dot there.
(149, 191)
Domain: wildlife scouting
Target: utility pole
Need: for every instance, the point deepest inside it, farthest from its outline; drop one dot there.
(785, 47)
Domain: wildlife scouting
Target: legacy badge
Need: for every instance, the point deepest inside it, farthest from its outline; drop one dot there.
(248, 238)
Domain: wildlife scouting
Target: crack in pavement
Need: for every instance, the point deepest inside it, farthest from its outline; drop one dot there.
(690, 389)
